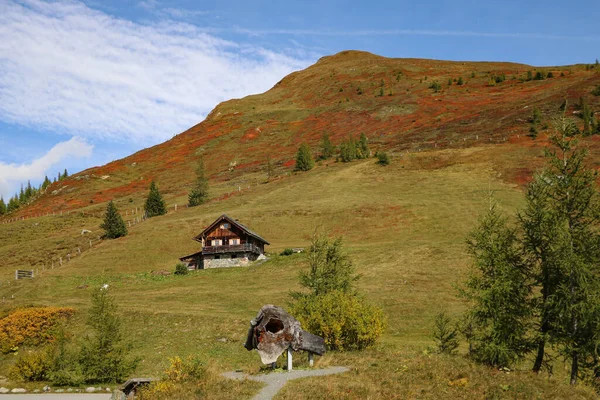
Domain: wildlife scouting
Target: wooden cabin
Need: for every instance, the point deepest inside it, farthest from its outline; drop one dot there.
(226, 243)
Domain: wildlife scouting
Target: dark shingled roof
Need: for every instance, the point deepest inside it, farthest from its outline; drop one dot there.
(233, 222)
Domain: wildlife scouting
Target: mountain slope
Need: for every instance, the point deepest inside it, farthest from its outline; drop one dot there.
(390, 100)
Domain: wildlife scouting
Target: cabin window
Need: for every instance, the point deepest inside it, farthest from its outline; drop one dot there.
(225, 226)
(234, 241)
(216, 242)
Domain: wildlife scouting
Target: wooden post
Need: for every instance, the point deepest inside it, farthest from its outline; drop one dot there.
(274, 365)
(60, 260)
(175, 207)
(90, 243)
(68, 257)
(311, 361)
(79, 250)
(289, 359)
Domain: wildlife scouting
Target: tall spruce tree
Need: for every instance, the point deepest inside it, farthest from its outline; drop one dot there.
(565, 250)
(113, 225)
(304, 158)
(2, 206)
(155, 205)
(498, 288)
(199, 193)
(46, 183)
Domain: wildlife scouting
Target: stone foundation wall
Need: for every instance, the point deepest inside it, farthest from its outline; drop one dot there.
(226, 263)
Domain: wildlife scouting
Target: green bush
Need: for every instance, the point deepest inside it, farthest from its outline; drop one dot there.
(287, 252)
(346, 321)
(596, 91)
(382, 158)
(64, 369)
(31, 366)
(181, 269)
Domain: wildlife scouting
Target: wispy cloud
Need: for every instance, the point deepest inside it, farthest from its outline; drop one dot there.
(68, 68)
(157, 8)
(12, 175)
(408, 32)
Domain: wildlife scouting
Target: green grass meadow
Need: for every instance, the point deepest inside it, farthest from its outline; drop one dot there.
(404, 227)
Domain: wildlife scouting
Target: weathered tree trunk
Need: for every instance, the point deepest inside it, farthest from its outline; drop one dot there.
(274, 330)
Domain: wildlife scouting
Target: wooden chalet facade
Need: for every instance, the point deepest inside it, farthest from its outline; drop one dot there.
(226, 243)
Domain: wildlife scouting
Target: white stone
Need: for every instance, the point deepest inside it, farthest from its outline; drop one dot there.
(4, 390)
(59, 391)
(90, 389)
(18, 390)
(46, 388)
(69, 390)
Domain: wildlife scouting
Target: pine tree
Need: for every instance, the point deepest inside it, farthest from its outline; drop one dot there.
(499, 291)
(155, 205)
(13, 204)
(46, 183)
(113, 225)
(327, 148)
(199, 193)
(2, 206)
(304, 158)
(65, 174)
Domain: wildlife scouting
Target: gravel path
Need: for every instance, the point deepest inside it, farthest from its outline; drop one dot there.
(276, 380)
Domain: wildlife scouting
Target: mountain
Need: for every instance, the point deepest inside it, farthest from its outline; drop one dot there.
(393, 101)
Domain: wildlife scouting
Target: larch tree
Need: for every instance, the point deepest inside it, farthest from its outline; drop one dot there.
(561, 223)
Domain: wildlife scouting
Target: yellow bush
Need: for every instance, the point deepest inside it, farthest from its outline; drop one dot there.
(31, 366)
(346, 321)
(32, 325)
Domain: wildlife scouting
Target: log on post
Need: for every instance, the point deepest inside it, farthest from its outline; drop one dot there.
(273, 331)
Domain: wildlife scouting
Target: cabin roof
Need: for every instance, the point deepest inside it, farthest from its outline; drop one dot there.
(232, 222)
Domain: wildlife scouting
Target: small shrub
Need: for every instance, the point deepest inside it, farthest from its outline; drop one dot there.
(596, 91)
(382, 158)
(445, 335)
(287, 252)
(435, 85)
(64, 369)
(181, 269)
(186, 370)
(32, 366)
(460, 81)
(346, 321)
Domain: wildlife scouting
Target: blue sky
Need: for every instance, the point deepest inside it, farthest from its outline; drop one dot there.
(86, 82)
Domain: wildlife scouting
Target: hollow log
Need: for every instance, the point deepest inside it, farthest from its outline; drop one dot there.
(274, 330)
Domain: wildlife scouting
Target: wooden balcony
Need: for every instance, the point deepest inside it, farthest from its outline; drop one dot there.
(234, 248)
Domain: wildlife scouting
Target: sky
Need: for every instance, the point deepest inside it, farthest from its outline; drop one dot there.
(83, 83)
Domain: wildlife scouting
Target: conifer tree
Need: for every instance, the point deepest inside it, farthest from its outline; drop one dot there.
(13, 204)
(327, 148)
(113, 225)
(46, 183)
(2, 206)
(103, 356)
(561, 223)
(304, 158)
(499, 290)
(155, 205)
(199, 193)
(65, 174)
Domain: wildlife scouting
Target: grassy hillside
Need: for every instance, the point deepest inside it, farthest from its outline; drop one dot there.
(404, 226)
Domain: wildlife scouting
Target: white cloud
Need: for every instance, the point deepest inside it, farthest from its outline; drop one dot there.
(68, 68)
(12, 175)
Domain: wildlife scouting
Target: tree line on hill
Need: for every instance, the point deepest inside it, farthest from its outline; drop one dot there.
(27, 194)
(347, 151)
(534, 287)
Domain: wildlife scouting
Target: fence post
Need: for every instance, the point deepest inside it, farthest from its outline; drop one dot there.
(60, 260)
